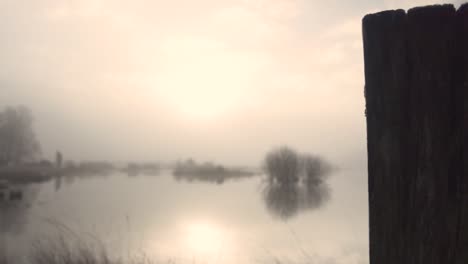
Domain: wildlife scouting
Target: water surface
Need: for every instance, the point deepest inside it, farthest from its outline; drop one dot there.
(236, 221)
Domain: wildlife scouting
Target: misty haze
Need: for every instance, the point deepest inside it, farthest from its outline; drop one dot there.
(183, 131)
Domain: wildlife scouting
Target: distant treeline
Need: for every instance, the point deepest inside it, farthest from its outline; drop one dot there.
(105, 167)
(208, 171)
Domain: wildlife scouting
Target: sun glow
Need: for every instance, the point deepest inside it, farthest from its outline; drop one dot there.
(201, 78)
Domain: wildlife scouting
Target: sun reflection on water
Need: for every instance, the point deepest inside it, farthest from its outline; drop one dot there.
(205, 238)
(197, 240)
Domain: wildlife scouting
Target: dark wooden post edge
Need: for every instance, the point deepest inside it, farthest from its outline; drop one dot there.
(416, 89)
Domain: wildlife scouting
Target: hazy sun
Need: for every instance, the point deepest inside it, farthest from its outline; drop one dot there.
(201, 78)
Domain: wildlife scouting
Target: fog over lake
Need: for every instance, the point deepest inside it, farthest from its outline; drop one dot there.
(208, 131)
(191, 221)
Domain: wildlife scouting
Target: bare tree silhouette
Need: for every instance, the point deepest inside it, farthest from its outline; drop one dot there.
(18, 141)
(282, 165)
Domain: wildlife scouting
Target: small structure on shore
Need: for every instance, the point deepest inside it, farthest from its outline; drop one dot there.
(58, 159)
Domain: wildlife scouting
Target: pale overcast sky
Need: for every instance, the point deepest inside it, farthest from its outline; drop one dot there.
(216, 80)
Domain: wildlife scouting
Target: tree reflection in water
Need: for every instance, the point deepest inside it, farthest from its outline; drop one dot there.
(287, 200)
(294, 183)
(14, 207)
(282, 201)
(15, 203)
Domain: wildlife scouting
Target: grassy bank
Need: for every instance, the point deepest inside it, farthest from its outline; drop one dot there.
(77, 250)
(19, 175)
(62, 250)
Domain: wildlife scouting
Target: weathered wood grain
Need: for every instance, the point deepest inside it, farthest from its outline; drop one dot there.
(416, 88)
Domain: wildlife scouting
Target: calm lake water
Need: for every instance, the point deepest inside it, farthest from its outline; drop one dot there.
(236, 221)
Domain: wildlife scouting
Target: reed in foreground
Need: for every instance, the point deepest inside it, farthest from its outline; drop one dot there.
(66, 250)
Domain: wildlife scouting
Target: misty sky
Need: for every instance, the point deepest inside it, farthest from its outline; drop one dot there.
(215, 80)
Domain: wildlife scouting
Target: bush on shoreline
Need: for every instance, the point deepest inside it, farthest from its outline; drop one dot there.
(287, 167)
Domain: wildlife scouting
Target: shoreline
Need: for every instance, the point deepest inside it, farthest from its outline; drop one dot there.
(26, 174)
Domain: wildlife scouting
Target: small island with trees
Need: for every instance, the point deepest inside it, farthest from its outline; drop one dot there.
(208, 171)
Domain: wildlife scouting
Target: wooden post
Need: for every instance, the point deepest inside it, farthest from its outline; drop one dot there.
(416, 74)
